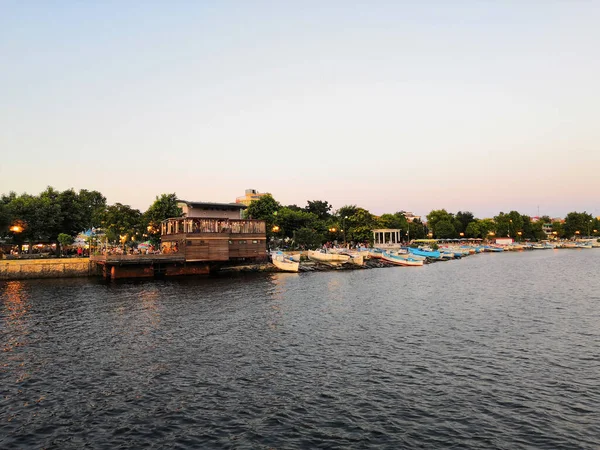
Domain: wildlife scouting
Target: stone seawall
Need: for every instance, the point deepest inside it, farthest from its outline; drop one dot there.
(46, 268)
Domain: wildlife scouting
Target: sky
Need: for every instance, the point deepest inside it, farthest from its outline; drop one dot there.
(388, 105)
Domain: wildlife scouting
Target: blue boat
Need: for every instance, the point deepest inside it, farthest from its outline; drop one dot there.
(434, 254)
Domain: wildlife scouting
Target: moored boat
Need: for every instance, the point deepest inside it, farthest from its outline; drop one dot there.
(400, 261)
(332, 259)
(284, 262)
(434, 254)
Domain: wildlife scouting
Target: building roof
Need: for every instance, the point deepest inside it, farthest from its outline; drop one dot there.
(212, 204)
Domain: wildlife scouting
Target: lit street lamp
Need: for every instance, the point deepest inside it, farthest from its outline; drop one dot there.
(519, 233)
(344, 228)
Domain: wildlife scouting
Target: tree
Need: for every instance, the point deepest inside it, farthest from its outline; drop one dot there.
(509, 224)
(121, 222)
(395, 221)
(265, 208)
(164, 207)
(417, 229)
(578, 222)
(444, 229)
(92, 204)
(359, 226)
(486, 226)
(462, 220)
(436, 216)
(289, 221)
(558, 229)
(473, 230)
(319, 208)
(308, 238)
(64, 240)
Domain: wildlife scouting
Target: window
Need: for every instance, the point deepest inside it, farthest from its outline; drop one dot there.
(230, 242)
(242, 242)
(255, 242)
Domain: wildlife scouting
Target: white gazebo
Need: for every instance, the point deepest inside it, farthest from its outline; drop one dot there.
(386, 238)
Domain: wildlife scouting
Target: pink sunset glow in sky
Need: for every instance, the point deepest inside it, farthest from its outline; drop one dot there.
(476, 106)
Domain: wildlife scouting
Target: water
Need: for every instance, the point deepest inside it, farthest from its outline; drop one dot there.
(492, 351)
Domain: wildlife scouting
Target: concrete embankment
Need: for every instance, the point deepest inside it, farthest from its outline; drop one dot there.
(46, 268)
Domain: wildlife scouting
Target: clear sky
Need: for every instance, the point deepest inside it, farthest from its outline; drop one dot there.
(464, 105)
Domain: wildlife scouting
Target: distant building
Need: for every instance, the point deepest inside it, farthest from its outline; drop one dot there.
(210, 209)
(410, 216)
(251, 195)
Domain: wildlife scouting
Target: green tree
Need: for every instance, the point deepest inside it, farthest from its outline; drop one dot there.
(417, 229)
(121, 222)
(359, 226)
(486, 226)
(444, 229)
(265, 208)
(164, 207)
(395, 221)
(308, 238)
(290, 221)
(39, 217)
(578, 222)
(558, 229)
(92, 204)
(508, 224)
(319, 208)
(64, 240)
(462, 221)
(473, 230)
(436, 216)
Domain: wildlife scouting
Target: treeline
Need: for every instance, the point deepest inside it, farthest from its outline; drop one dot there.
(55, 216)
(45, 217)
(316, 223)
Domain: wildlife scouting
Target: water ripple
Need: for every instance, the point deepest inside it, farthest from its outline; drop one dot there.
(493, 351)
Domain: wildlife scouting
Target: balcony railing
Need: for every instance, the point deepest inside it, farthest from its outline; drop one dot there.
(205, 225)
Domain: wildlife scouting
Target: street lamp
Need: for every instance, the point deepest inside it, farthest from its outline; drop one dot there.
(519, 233)
(509, 227)
(589, 225)
(344, 228)
(16, 229)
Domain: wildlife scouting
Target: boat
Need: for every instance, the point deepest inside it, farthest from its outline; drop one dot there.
(400, 261)
(333, 259)
(406, 255)
(284, 262)
(492, 248)
(434, 254)
(375, 253)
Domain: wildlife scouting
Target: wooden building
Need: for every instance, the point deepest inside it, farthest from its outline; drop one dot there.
(209, 236)
(214, 239)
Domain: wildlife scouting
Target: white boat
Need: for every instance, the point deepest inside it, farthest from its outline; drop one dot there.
(406, 255)
(332, 259)
(356, 258)
(284, 262)
(400, 261)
